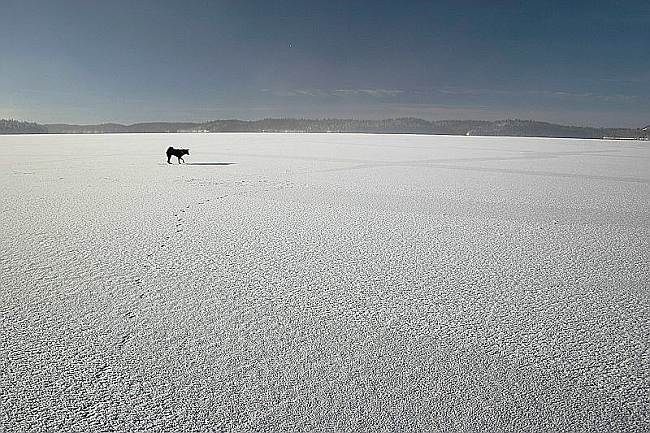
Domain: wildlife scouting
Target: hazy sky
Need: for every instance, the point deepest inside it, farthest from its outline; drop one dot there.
(85, 61)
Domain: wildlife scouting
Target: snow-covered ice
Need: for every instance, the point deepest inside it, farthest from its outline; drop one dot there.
(324, 283)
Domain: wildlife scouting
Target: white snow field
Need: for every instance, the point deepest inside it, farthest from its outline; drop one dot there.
(324, 282)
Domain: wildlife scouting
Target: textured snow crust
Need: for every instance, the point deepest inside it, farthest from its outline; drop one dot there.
(324, 283)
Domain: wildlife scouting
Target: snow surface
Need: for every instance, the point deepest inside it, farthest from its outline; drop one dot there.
(324, 282)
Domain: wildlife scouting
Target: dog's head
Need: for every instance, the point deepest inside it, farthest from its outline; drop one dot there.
(185, 151)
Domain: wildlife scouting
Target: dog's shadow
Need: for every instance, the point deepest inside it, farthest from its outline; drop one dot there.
(210, 163)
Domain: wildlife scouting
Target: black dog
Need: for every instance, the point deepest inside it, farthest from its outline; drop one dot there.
(178, 153)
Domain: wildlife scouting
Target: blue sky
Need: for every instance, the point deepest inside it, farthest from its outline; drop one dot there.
(130, 61)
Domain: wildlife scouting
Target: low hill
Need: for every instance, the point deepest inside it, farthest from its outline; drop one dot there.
(406, 125)
(113, 128)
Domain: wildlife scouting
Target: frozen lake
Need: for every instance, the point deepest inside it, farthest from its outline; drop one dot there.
(324, 282)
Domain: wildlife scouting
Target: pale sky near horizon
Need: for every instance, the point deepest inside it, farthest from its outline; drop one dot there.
(570, 62)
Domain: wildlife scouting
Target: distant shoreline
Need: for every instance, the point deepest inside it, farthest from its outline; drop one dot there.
(408, 125)
(330, 132)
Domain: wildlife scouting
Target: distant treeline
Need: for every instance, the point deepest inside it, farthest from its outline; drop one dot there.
(407, 125)
(10, 126)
